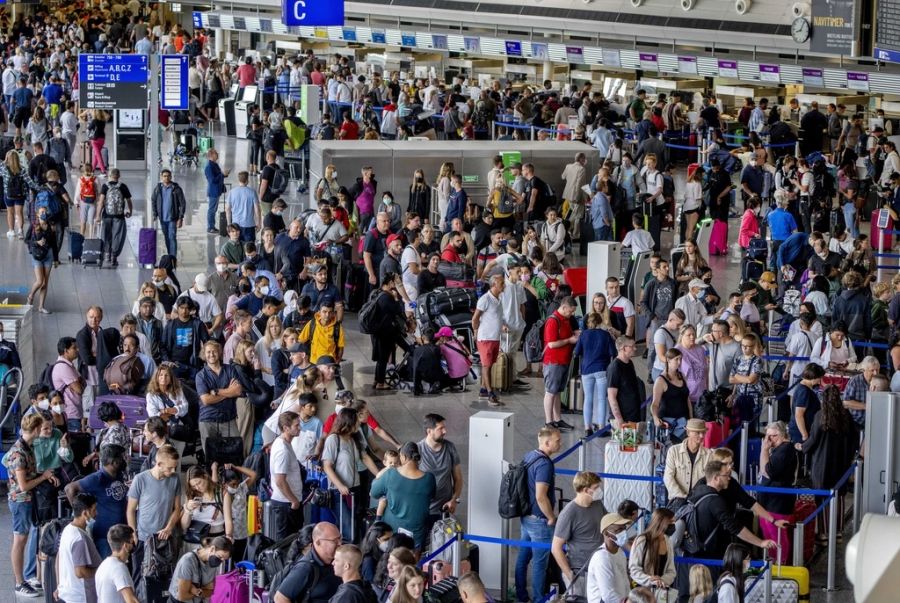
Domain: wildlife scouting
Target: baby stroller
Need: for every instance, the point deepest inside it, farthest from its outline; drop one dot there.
(187, 150)
(400, 375)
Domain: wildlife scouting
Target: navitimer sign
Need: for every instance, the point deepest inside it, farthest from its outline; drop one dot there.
(833, 29)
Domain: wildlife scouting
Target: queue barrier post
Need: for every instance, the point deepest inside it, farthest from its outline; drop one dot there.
(832, 539)
(798, 544)
(880, 251)
(581, 455)
(493, 130)
(857, 494)
(745, 462)
(772, 411)
(457, 553)
(532, 133)
(767, 583)
(504, 561)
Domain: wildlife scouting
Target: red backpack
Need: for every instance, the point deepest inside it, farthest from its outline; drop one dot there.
(88, 187)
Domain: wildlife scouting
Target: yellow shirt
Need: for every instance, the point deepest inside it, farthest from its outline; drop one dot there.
(324, 341)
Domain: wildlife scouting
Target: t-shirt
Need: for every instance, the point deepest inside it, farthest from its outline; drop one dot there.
(76, 549)
(622, 376)
(343, 455)
(620, 311)
(111, 577)
(410, 279)
(111, 494)
(190, 568)
(541, 470)
(207, 381)
(803, 397)
(580, 528)
(557, 328)
(268, 174)
(491, 322)
(298, 582)
(639, 240)
(156, 499)
(282, 460)
(721, 357)
(305, 443)
(440, 464)
(668, 340)
(408, 501)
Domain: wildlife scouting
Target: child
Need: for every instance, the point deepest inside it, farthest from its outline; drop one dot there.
(304, 444)
(701, 584)
(115, 432)
(86, 200)
(391, 459)
(638, 239)
(233, 249)
(237, 481)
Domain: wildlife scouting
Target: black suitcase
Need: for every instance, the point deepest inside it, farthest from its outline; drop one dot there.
(355, 287)
(76, 246)
(445, 591)
(758, 249)
(751, 270)
(92, 253)
(450, 301)
(223, 225)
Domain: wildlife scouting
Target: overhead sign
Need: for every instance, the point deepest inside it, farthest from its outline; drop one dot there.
(769, 73)
(408, 40)
(887, 27)
(379, 37)
(113, 81)
(813, 77)
(858, 81)
(173, 91)
(687, 65)
(312, 12)
(649, 61)
(728, 69)
(887, 56)
(833, 28)
(540, 51)
(611, 57)
(472, 44)
(513, 49)
(575, 54)
(197, 18)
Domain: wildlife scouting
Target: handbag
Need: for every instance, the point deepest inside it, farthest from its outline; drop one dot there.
(196, 532)
(225, 449)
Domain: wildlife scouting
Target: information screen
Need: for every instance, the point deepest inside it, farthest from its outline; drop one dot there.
(113, 81)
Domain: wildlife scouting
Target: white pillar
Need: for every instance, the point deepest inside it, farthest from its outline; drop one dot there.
(218, 35)
(547, 71)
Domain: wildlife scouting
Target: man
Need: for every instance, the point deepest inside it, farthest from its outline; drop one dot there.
(65, 378)
(456, 205)
(10, 79)
(639, 239)
(781, 223)
(607, 574)
(242, 207)
(722, 349)
(664, 339)
(291, 252)
(287, 480)
(637, 106)
(391, 261)
(215, 188)
(575, 177)
(346, 564)
(375, 248)
(489, 252)
(323, 230)
(312, 577)
(813, 124)
(113, 581)
(512, 302)
(267, 192)
(22, 99)
(182, 339)
(466, 249)
(685, 463)
(692, 306)
(218, 387)
(658, 300)
(320, 291)
(624, 390)
(255, 301)
(752, 179)
(96, 348)
(538, 525)
(78, 559)
(759, 116)
(441, 459)
(169, 207)
(430, 278)
(487, 321)
(578, 529)
(827, 263)
(559, 342)
(853, 306)
(602, 138)
(223, 282)
(208, 310)
(855, 392)
(411, 263)
(324, 334)
(455, 244)
(113, 207)
(471, 589)
(621, 310)
(537, 199)
(154, 508)
(835, 125)
(243, 331)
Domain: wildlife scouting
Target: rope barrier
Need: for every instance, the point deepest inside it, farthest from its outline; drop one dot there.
(514, 126)
(887, 267)
(440, 550)
(766, 568)
(599, 433)
(886, 255)
(891, 232)
(680, 146)
(831, 494)
(776, 490)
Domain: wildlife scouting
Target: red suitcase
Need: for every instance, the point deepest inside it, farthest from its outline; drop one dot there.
(134, 411)
(692, 167)
(718, 239)
(716, 432)
(839, 380)
(876, 234)
(803, 508)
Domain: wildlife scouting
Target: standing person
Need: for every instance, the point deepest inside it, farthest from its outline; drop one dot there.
(347, 562)
(114, 206)
(538, 525)
(215, 188)
(16, 184)
(363, 193)
(96, 349)
(169, 207)
(78, 559)
(242, 207)
(578, 529)
(154, 509)
(685, 464)
(777, 469)
(312, 577)
(575, 177)
(722, 350)
(607, 575)
(385, 336)
(621, 310)
(805, 403)
(441, 459)
(671, 407)
(624, 388)
(41, 240)
(287, 481)
(730, 587)
(559, 342)
(218, 387)
(657, 300)
(107, 486)
(112, 580)
(59, 220)
(96, 133)
(597, 348)
(652, 559)
(487, 321)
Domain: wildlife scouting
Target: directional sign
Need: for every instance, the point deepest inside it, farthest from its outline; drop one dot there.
(174, 94)
(113, 81)
(312, 12)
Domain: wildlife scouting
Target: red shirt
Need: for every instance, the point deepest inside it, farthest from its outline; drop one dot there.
(349, 130)
(329, 422)
(246, 75)
(449, 254)
(556, 328)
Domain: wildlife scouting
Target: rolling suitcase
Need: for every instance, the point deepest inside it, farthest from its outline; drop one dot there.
(877, 237)
(236, 586)
(718, 239)
(449, 301)
(223, 225)
(76, 246)
(716, 432)
(254, 515)
(92, 253)
(268, 522)
(134, 411)
(502, 371)
(803, 508)
(147, 247)
(758, 249)
(640, 462)
(751, 270)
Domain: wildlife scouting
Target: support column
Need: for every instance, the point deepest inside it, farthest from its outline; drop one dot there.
(547, 71)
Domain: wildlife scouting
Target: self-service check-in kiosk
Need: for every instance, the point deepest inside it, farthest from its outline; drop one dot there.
(226, 111)
(249, 98)
(130, 148)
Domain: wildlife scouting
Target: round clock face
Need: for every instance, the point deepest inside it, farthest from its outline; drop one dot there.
(800, 30)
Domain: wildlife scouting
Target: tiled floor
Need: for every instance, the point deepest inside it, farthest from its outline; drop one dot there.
(74, 288)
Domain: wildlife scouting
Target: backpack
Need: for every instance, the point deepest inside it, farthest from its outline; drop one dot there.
(507, 203)
(279, 182)
(259, 463)
(127, 373)
(88, 188)
(51, 532)
(515, 500)
(160, 558)
(534, 342)
(57, 148)
(367, 313)
(47, 198)
(668, 187)
(688, 513)
(714, 597)
(281, 574)
(46, 377)
(17, 189)
(114, 200)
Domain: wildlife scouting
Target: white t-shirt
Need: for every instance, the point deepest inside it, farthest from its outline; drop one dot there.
(491, 318)
(511, 300)
(111, 577)
(283, 460)
(76, 549)
(209, 307)
(693, 195)
(639, 241)
(607, 577)
(800, 344)
(410, 279)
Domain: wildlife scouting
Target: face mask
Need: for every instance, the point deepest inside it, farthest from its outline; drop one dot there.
(264, 289)
(42, 218)
(419, 179)
(221, 267)
(213, 561)
(523, 278)
(385, 546)
(387, 200)
(58, 409)
(622, 538)
(231, 490)
(159, 284)
(738, 307)
(43, 404)
(334, 174)
(597, 495)
(338, 408)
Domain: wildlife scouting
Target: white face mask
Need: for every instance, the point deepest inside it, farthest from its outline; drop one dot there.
(231, 491)
(58, 409)
(387, 200)
(264, 289)
(597, 495)
(159, 283)
(221, 267)
(334, 174)
(43, 404)
(622, 538)
(384, 546)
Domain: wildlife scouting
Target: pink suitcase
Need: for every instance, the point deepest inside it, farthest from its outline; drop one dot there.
(718, 239)
(134, 411)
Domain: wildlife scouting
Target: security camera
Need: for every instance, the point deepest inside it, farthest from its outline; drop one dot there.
(687, 5)
(741, 7)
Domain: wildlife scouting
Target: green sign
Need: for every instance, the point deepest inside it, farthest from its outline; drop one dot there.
(509, 158)
(470, 179)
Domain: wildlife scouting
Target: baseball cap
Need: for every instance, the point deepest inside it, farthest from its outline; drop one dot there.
(297, 348)
(394, 237)
(767, 277)
(696, 425)
(343, 394)
(697, 284)
(314, 267)
(325, 360)
(201, 282)
(612, 519)
(444, 332)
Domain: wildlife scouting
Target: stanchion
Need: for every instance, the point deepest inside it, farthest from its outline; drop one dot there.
(832, 538)
(768, 583)
(504, 562)
(581, 455)
(742, 473)
(772, 411)
(493, 130)
(457, 553)
(857, 494)
(798, 545)
(880, 251)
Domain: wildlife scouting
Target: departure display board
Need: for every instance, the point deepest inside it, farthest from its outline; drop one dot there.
(113, 81)
(887, 25)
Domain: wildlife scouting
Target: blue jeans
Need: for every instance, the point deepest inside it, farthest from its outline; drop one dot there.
(677, 426)
(73, 424)
(604, 233)
(534, 529)
(169, 228)
(343, 514)
(595, 405)
(850, 219)
(655, 373)
(248, 234)
(211, 213)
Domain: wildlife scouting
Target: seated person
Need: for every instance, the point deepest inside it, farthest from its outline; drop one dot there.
(426, 366)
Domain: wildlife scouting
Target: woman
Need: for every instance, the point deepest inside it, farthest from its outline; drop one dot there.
(553, 235)
(747, 393)
(392, 209)
(16, 183)
(700, 584)
(96, 131)
(148, 289)
(387, 329)
(730, 587)
(443, 192)
(114, 432)
(195, 574)
(652, 561)
(328, 186)
(830, 448)
(689, 266)
(671, 407)
(266, 346)
(41, 240)
(817, 297)
(597, 348)
(281, 361)
(253, 404)
(737, 328)
(410, 586)
(420, 197)
(848, 187)
(267, 248)
(615, 153)
(693, 202)
(165, 399)
(38, 128)
(694, 365)
(805, 403)
(834, 351)
(344, 448)
(238, 483)
(51, 447)
(749, 222)
(409, 493)
(428, 244)
(601, 310)
(374, 545)
(397, 556)
(203, 514)
(777, 469)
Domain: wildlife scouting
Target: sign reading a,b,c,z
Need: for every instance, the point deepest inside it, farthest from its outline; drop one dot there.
(312, 12)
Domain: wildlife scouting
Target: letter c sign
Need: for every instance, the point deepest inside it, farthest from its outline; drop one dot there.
(312, 12)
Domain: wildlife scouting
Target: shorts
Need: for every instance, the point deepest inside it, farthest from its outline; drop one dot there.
(47, 262)
(15, 202)
(556, 377)
(87, 212)
(21, 517)
(21, 116)
(488, 352)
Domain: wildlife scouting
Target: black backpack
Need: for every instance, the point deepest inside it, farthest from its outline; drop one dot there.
(46, 377)
(17, 188)
(515, 498)
(367, 316)
(51, 532)
(280, 575)
(692, 544)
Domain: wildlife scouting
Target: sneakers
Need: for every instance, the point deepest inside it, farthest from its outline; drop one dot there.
(10, 234)
(35, 584)
(26, 590)
(562, 425)
(483, 393)
(493, 400)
